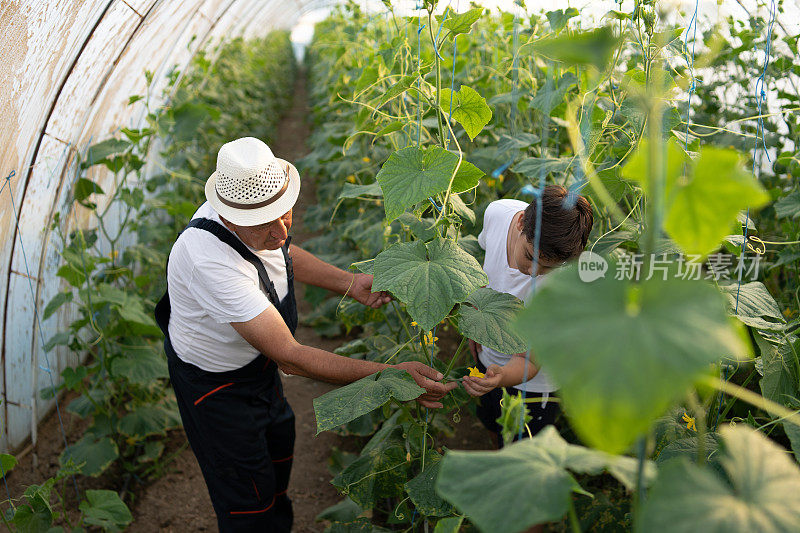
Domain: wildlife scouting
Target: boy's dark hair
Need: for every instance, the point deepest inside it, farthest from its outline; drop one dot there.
(565, 231)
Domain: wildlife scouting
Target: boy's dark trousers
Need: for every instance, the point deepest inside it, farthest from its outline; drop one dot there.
(488, 411)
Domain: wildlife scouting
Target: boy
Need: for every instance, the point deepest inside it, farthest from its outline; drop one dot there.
(508, 234)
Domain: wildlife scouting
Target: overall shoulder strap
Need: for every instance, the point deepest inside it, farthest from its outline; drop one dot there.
(287, 257)
(225, 235)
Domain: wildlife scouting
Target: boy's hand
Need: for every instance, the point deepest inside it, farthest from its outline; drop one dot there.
(480, 386)
(475, 349)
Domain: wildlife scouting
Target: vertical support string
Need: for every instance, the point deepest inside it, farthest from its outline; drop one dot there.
(761, 96)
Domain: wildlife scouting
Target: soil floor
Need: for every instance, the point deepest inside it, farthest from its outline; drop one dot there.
(178, 501)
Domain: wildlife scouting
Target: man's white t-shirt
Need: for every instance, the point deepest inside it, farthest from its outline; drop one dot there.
(210, 286)
(503, 278)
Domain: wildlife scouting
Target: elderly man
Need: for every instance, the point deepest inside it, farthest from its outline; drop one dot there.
(229, 316)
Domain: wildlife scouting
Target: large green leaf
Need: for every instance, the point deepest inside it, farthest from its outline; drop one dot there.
(703, 197)
(529, 481)
(105, 509)
(622, 353)
(57, 301)
(139, 364)
(145, 420)
(380, 471)
(788, 206)
(351, 190)
(359, 525)
(467, 107)
(701, 211)
(429, 278)
(449, 525)
(551, 95)
(413, 174)
(345, 511)
(422, 491)
(347, 403)
(779, 377)
(761, 492)
(104, 149)
(8, 462)
(97, 454)
(536, 167)
(558, 18)
(31, 519)
(756, 307)
(400, 86)
(486, 317)
(592, 47)
(461, 22)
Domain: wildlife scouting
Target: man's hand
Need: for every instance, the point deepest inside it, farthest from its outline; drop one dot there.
(475, 349)
(361, 291)
(427, 378)
(480, 386)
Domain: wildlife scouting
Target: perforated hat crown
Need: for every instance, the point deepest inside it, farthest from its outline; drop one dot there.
(251, 186)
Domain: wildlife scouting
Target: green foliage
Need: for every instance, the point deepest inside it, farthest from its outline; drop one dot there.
(92, 453)
(759, 492)
(429, 278)
(104, 509)
(486, 317)
(360, 397)
(571, 108)
(412, 175)
(468, 108)
(422, 492)
(593, 47)
(623, 353)
(536, 470)
(111, 288)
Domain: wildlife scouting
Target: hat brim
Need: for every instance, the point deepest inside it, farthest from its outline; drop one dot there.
(260, 215)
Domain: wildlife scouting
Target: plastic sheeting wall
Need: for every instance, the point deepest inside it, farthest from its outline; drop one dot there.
(68, 69)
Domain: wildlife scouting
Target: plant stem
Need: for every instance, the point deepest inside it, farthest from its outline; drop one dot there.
(438, 79)
(700, 424)
(753, 399)
(397, 311)
(574, 523)
(455, 356)
(639, 493)
(731, 403)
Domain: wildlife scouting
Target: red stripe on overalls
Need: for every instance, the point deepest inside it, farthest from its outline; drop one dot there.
(283, 460)
(264, 510)
(209, 393)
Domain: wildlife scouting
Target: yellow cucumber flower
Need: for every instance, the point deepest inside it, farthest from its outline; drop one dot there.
(475, 373)
(689, 422)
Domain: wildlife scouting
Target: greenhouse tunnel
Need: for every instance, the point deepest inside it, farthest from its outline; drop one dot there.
(69, 69)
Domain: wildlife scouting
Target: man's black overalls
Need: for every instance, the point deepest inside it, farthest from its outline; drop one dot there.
(240, 426)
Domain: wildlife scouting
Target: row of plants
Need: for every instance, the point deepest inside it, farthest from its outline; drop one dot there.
(681, 394)
(240, 88)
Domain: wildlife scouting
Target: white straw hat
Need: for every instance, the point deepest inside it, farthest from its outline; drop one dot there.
(251, 186)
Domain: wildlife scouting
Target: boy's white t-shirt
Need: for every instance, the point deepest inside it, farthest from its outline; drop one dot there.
(503, 278)
(210, 286)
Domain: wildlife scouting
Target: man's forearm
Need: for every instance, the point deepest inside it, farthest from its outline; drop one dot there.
(310, 269)
(325, 366)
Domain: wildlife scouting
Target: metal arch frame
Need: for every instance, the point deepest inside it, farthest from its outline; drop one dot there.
(264, 11)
